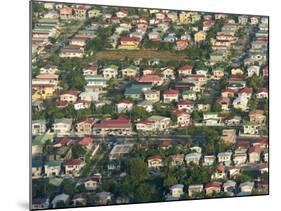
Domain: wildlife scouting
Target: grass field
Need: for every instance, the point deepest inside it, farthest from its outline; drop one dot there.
(141, 53)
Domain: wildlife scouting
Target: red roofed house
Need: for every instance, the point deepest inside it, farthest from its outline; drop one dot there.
(80, 11)
(66, 12)
(186, 105)
(262, 93)
(90, 70)
(255, 154)
(154, 79)
(86, 142)
(62, 142)
(224, 102)
(181, 44)
(129, 42)
(120, 126)
(185, 70)
(183, 118)
(122, 13)
(170, 95)
(92, 183)
(85, 127)
(212, 188)
(246, 91)
(165, 144)
(124, 106)
(220, 172)
(73, 167)
(155, 161)
(82, 104)
(61, 104)
(153, 123)
(70, 96)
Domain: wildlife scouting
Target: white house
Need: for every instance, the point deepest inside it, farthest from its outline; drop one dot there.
(62, 127)
(124, 106)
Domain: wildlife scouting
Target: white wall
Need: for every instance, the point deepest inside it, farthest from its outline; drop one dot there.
(14, 67)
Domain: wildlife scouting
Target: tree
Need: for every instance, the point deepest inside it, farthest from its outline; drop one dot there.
(252, 103)
(146, 192)
(78, 151)
(170, 180)
(137, 169)
(139, 113)
(216, 107)
(196, 116)
(255, 82)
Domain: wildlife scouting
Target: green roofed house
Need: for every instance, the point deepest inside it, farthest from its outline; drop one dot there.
(38, 142)
(250, 128)
(189, 95)
(136, 90)
(130, 71)
(37, 166)
(52, 168)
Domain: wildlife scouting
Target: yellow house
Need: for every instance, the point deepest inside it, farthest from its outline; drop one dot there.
(200, 36)
(184, 18)
(43, 91)
(129, 72)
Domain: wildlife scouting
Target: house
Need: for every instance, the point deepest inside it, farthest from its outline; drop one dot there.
(257, 116)
(120, 150)
(122, 13)
(79, 199)
(170, 95)
(164, 144)
(219, 173)
(233, 120)
(212, 188)
(176, 191)
(102, 198)
(194, 190)
(90, 70)
(186, 105)
(84, 127)
(224, 157)
(229, 136)
(66, 12)
(181, 45)
(130, 71)
(250, 128)
(189, 95)
(38, 127)
(52, 168)
(61, 198)
(239, 158)
(154, 124)
(40, 203)
(89, 96)
(37, 168)
(241, 102)
(92, 183)
(168, 73)
(82, 104)
(224, 102)
(236, 71)
(152, 95)
(154, 36)
(211, 119)
(262, 93)
(218, 73)
(72, 51)
(254, 154)
(254, 69)
(147, 105)
(193, 158)
(177, 160)
(120, 126)
(155, 161)
(230, 186)
(154, 79)
(69, 96)
(246, 92)
(44, 86)
(129, 42)
(200, 36)
(73, 167)
(171, 38)
(201, 71)
(184, 70)
(86, 142)
(227, 93)
(110, 71)
(96, 81)
(124, 106)
(209, 160)
(183, 118)
(246, 187)
(80, 11)
(62, 127)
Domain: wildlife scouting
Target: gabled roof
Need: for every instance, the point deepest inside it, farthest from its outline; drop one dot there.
(171, 92)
